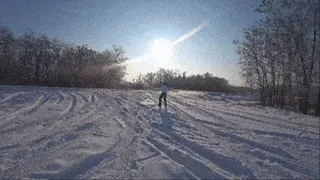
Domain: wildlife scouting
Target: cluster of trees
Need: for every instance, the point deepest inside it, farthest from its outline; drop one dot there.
(176, 80)
(280, 55)
(31, 59)
(37, 60)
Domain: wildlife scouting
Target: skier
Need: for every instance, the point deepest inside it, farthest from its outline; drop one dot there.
(164, 90)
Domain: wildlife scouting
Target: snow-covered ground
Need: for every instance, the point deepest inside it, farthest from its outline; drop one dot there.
(99, 133)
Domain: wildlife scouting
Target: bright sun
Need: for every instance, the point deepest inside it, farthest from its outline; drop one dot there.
(161, 50)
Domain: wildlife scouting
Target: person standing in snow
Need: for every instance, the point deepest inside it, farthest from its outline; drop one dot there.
(164, 90)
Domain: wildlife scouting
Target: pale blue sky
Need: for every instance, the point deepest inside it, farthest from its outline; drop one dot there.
(135, 24)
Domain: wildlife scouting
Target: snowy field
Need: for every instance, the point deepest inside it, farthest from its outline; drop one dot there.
(97, 133)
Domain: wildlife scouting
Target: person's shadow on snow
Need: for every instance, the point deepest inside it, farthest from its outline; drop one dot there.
(166, 121)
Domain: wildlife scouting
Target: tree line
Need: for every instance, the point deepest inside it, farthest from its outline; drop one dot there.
(31, 59)
(177, 80)
(279, 56)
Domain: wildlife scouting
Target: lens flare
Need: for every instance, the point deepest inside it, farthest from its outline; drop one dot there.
(162, 49)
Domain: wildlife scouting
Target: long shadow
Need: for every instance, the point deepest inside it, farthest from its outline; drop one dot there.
(227, 163)
(166, 121)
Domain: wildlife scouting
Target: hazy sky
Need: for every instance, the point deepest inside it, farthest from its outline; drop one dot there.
(136, 24)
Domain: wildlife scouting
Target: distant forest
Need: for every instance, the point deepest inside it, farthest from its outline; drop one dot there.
(38, 60)
(176, 80)
(280, 56)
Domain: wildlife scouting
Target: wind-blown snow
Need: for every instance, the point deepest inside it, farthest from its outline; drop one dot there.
(96, 133)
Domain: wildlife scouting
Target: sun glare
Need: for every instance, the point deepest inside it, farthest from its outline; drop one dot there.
(161, 50)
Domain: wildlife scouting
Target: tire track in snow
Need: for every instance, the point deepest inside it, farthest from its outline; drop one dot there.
(85, 165)
(126, 153)
(181, 123)
(64, 124)
(46, 122)
(83, 97)
(36, 104)
(290, 136)
(58, 138)
(41, 103)
(227, 166)
(160, 152)
(57, 130)
(290, 165)
(243, 117)
(265, 147)
(278, 155)
(249, 115)
(61, 98)
(137, 126)
(72, 104)
(193, 165)
(82, 108)
(9, 147)
(153, 149)
(9, 125)
(258, 145)
(12, 97)
(30, 107)
(85, 112)
(223, 162)
(246, 113)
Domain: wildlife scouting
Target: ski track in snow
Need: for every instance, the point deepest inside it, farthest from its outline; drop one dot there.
(68, 133)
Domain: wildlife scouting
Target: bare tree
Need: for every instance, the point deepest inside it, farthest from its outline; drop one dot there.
(278, 55)
(6, 52)
(32, 59)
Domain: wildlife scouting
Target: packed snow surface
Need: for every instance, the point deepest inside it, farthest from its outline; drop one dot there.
(56, 133)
